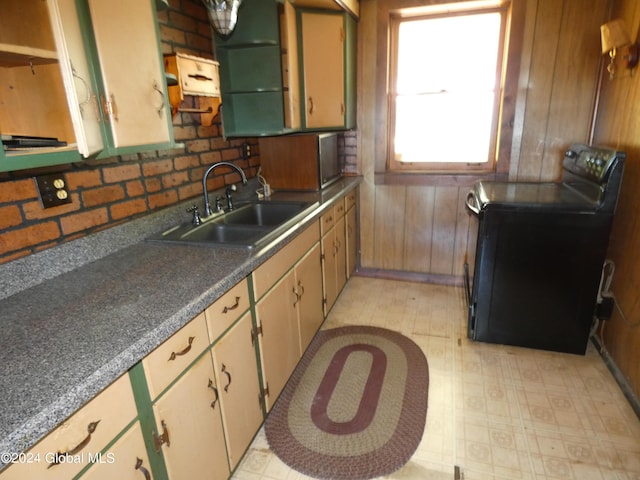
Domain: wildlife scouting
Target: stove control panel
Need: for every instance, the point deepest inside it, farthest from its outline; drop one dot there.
(589, 162)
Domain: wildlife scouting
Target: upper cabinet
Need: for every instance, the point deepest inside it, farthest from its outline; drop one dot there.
(285, 70)
(69, 86)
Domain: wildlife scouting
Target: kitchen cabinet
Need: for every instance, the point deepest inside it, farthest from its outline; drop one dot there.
(290, 312)
(59, 64)
(70, 447)
(276, 52)
(236, 369)
(190, 412)
(351, 230)
(258, 68)
(131, 83)
(328, 69)
(209, 416)
(125, 460)
(334, 261)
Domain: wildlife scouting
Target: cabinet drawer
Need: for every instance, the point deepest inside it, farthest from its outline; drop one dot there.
(198, 76)
(224, 311)
(327, 220)
(339, 208)
(167, 361)
(269, 272)
(350, 199)
(81, 436)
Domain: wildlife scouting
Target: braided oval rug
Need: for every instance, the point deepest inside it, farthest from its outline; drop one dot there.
(354, 408)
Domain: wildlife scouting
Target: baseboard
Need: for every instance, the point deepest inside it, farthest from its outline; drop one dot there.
(405, 276)
(631, 397)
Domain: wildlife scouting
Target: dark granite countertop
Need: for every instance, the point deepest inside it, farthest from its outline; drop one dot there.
(112, 299)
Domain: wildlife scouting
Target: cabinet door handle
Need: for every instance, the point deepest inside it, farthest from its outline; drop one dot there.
(301, 287)
(159, 90)
(90, 429)
(215, 390)
(232, 307)
(144, 471)
(224, 370)
(310, 105)
(184, 351)
(297, 296)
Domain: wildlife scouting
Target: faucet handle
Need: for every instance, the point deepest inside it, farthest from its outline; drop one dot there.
(196, 215)
(219, 199)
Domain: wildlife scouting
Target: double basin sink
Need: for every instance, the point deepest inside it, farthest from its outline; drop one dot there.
(248, 226)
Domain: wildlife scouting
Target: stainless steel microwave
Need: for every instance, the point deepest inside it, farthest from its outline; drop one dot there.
(301, 161)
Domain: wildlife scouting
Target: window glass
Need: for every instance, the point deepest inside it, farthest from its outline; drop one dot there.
(447, 89)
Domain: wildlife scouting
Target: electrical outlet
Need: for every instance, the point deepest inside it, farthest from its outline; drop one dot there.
(246, 151)
(52, 190)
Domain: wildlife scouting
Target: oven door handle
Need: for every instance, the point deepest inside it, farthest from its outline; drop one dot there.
(472, 203)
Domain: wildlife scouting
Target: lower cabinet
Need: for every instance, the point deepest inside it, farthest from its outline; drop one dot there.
(126, 460)
(288, 290)
(190, 414)
(238, 387)
(334, 266)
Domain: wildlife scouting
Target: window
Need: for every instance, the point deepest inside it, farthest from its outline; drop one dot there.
(446, 83)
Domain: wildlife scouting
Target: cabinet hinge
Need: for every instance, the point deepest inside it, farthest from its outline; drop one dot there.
(109, 108)
(257, 330)
(263, 394)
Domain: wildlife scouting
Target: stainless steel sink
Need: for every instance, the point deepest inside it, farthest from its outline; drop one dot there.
(246, 226)
(264, 213)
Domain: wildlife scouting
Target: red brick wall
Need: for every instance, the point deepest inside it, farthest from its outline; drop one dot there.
(115, 190)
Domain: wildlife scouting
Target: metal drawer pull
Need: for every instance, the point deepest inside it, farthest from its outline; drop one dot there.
(144, 471)
(232, 307)
(224, 370)
(182, 352)
(90, 429)
(215, 390)
(310, 106)
(159, 440)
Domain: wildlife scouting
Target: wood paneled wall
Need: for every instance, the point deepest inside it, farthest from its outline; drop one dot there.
(426, 229)
(618, 125)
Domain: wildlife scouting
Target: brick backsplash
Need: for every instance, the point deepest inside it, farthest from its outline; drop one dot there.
(111, 191)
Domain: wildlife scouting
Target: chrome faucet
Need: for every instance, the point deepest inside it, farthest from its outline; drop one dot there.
(207, 205)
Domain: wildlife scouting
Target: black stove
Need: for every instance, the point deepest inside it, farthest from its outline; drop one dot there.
(540, 252)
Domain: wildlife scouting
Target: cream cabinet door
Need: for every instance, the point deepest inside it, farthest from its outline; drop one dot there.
(81, 98)
(190, 412)
(351, 239)
(341, 254)
(329, 260)
(234, 359)
(323, 67)
(126, 460)
(308, 275)
(280, 339)
(125, 32)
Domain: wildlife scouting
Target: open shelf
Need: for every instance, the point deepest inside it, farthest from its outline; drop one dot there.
(20, 56)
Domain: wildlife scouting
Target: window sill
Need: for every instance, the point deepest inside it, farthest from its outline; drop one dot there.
(437, 179)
